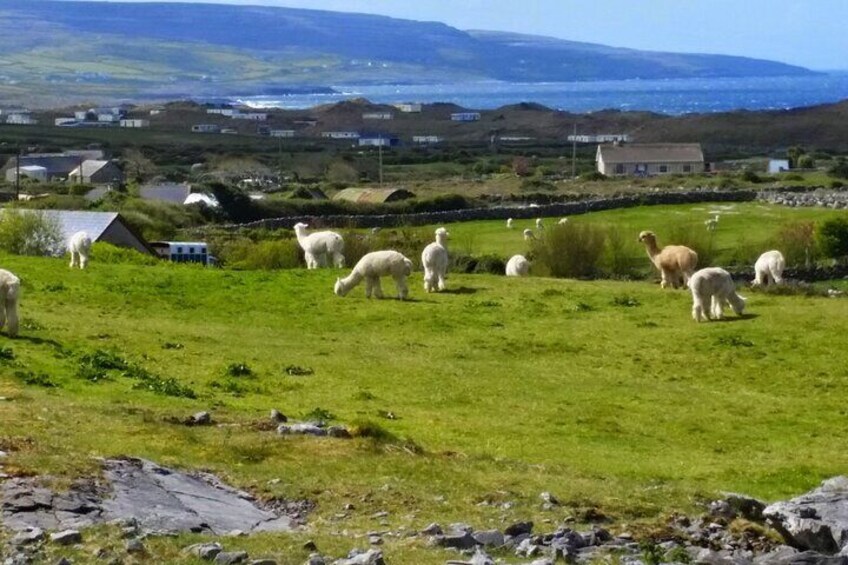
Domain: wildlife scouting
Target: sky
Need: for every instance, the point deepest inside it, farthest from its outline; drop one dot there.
(808, 33)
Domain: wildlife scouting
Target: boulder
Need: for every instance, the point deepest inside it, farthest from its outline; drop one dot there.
(817, 520)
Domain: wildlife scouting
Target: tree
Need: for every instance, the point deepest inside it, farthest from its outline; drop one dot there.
(806, 162)
(138, 167)
(832, 237)
(794, 153)
(839, 169)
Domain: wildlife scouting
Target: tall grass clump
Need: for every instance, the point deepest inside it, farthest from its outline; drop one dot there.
(261, 255)
(622, 256)
(695, 237)
(29, 233)
(797, 242)
(569, 250)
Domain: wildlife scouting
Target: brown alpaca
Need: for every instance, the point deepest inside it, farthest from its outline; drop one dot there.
(676, 263)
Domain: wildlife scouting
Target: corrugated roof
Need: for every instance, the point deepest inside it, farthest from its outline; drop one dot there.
(651, 153)
(89, 167)
(372, 195)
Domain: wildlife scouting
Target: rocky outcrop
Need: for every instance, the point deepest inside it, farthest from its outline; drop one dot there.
(817, 520)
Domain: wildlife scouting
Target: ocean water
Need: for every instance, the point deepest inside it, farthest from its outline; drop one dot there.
(672, 96)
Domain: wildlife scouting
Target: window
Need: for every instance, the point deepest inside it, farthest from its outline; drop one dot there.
(191, 249)
(619, 169)
(179, 250)
(663, 168)
(687, 168)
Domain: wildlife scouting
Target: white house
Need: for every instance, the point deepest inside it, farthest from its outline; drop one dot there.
(281, 133)
(377, 116)
(426, 139)
(465, 116)
(21, 119)
(409, 108)
(600, 138)
(205, 128)
(136, 123)
(778, 166)
(252, 116)
(646, 159)
(340, 134)
(29, 171)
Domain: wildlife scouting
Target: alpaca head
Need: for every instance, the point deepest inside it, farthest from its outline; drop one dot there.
(339, 288)
(442, 235)
(648, 237)
(737, 302)
(300, 227)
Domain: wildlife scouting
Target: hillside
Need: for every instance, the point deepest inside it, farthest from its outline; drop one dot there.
(75, 50)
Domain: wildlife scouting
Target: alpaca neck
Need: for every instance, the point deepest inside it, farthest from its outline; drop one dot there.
(351, 281)
(442, 240)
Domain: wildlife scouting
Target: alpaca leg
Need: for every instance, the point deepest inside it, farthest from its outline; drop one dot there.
(664, 278)
(3, 302)
(369, 286)
(428, 280)
(717, 307)
(11, 311)
(697, 308)
(73, 259)
(83, 260)
(403, 292)
(338, 260)
(441, 281)
(378, 288)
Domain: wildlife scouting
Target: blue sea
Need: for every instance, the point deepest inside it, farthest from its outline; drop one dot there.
(672, 96)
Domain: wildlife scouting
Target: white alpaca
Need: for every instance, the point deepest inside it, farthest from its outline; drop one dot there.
(434, 258)
(319, 245)
(509, 223)
(529, 235)
(79, 245)
(563, 221)
(10, 292)
(539, 224)
(713, 288)
(517, 266)
(712, 223)
(371, 267)
(768, 269)
(676, 263)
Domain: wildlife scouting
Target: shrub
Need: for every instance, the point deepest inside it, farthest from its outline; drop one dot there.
(569, 250)
(620, 254)
(752, 177)
(593, 176)
(839, 169)
(695, 237)
(796, 241)
(832, 237)
(29, 233)
(108, 253)
(264, 255)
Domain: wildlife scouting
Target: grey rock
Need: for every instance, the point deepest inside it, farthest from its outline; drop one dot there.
(301, 429)
(375, 540)
(33, 535)
(548, 498)
(338, 432)
(18, 559)
(263, 562)
(527, 548)
(456, 541)
(231, 557)
(817, 520)
(315, 559)
(432, 529)
(66, 537)
(542, 561)
(135, 546)
(710, 557)
(370, 557)
(278, 417)
(64, 561)
(489, 538)
(519, 528)
(310, 546)
(206, 551)
(200, 419)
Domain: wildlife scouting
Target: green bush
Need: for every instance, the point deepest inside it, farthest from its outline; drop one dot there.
(262, 255)
(29, 233)
(569, 250)
(620, 254)
(839, 169)
(593, 176)
(796, 240)
(108, 253)
(832, 237)
(695, 237)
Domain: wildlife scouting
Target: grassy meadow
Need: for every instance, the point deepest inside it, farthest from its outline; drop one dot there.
(604, 393)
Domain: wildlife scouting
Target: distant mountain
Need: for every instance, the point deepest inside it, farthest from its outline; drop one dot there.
(77, 50)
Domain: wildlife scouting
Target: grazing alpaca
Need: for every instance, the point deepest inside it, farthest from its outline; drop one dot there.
(10, 292)
(509, 223)
(79, 245)
(769, 268)
(434, 258)
(317, 246)
(517, 266)
(713, 288)
(539, 224)
(529, 235)
(712, 223)
(371, 267)
(676, 263)
(562, 221)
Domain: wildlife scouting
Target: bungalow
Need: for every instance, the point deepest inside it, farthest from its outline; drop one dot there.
(21, 119)
(135, 123)
(426, 139)
(281, 133)
(340, 134)
(650, 159)
(205, 128)
(377, 116)
(465, 117)
(97, 172)
(600, 138)
(409, 108)
(252, 116)
(29, 171)
(57, 165)
(378, 140)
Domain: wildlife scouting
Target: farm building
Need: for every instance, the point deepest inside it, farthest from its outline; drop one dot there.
(27, 171)
(778, 166)
(373, 195)
(57, 165)
(649, 159)
(175, 193)
(93, 171)
(107, 227)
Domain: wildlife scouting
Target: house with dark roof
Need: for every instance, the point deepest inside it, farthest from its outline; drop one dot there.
(648, 159)
(109, 227)
(97, 172)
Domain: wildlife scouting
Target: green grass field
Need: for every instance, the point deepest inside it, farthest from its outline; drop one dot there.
(606, 394)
